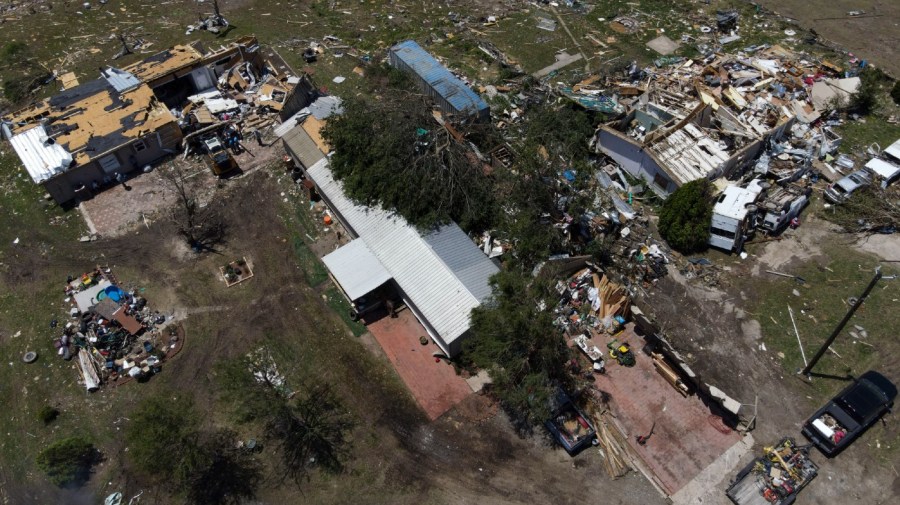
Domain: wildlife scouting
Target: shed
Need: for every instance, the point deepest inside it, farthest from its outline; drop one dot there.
(441, 274)
(453, 95)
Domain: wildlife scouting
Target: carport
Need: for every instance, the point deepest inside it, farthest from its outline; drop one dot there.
(356, 270)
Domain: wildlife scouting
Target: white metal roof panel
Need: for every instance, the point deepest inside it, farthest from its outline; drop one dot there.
(734, 202)
(894, 149)
(882, 168)
(437, 291)
(356, 269)
(120, 80)
(42, 160)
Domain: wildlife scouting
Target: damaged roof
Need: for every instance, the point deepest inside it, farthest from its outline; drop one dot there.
(447, 85)
(165, 62)
(86, 122)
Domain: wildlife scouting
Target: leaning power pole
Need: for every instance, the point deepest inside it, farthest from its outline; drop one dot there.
(840, 326)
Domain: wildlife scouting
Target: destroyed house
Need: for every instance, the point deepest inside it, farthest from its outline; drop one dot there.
(682, 130)
(440, 274)
(86, 135)
(244, 67)
(452, 95)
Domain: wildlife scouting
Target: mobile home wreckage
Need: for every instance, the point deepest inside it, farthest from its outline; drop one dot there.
(90, 134)
(721, 116)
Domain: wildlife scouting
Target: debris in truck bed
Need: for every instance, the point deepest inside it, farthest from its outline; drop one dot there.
(777, 477)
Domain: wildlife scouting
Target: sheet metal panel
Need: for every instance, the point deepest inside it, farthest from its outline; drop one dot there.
(356, 269)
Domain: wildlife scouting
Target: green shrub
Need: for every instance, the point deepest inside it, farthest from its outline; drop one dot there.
(47, 414)
(685, 217)
(67, 461)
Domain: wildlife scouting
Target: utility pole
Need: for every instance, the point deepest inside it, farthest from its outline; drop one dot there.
(843, 323)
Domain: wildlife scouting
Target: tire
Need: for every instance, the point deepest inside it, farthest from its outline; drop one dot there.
(30, 357)
(354, 315)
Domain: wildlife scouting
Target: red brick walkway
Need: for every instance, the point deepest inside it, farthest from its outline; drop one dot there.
(435, 386)
(686, 438)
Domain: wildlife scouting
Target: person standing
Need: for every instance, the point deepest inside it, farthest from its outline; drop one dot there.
(120, 178)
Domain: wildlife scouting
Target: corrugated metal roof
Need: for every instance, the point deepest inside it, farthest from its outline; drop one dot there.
(356, 269)
(301, 146)
(440, 273)
(41, 160)
(468, 263)
(460, 96)
(121, 80)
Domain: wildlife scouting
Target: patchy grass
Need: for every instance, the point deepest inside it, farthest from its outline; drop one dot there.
(822, 302)
(341, 307)
(859, 135)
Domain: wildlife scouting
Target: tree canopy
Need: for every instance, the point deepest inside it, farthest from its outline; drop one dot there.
(515, 340)
(391, 152)
(67, 461)
(310, 428)
(685, 217)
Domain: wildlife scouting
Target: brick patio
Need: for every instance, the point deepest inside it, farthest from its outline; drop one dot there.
(687, 436)
(435, 386)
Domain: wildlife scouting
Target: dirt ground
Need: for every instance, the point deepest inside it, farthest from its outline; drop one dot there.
(470, 455)
(721, 338)
(830, 21)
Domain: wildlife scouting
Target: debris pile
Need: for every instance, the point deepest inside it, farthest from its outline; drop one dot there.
(777, 477)
(112, 332)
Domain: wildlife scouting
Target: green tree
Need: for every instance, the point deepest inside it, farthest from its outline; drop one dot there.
(68, 461)
(895, 92)
(313, 433)
(685, 217)
(513, 337)
(311, 429)
(204, 466)
(391, 152)
(865, 100)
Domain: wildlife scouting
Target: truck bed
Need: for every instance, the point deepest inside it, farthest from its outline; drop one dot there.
(755, 480)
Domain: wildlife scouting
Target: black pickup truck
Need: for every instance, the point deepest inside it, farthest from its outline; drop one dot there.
(833, 427)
